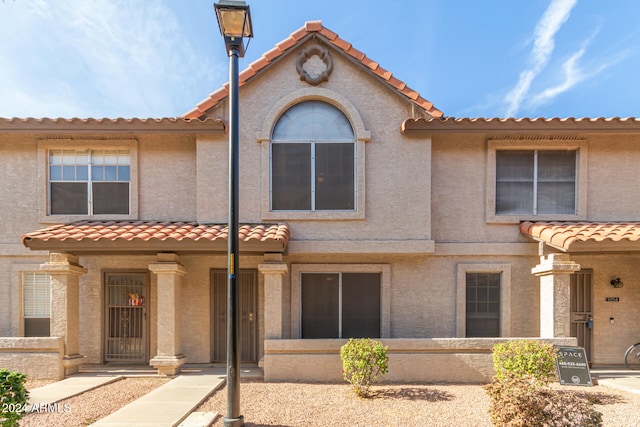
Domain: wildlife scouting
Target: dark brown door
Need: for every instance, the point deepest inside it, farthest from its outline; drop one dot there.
(582, 309)
(248, 284)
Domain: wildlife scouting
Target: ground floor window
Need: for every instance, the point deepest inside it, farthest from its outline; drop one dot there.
(341, 305)
(483, 304)
(483, 300)
(36, 299)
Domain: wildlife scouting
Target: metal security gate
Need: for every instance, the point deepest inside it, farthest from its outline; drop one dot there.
(126, 317)
(582, 309)
(248, 284)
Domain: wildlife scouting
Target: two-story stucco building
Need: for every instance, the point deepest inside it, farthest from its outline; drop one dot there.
(364, 210)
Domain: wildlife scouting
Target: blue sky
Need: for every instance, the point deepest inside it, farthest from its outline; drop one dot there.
(158, 58)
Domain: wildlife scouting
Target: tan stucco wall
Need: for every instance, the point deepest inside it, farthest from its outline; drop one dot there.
(424, 213)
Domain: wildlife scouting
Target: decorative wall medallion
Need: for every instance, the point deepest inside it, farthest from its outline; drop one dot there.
(314, 65)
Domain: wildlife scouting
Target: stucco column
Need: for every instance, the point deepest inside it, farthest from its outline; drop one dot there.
(273, 270)
(169, 359)
(65, 272)
(554, 272)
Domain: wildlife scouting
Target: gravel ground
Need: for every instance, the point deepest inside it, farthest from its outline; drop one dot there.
(318, 404)
(297, 404)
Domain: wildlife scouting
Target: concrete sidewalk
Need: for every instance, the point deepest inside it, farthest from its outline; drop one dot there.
(67, 388)
(169, 404)
(618, 378)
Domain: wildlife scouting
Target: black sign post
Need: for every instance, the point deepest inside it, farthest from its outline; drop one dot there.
(573, 368)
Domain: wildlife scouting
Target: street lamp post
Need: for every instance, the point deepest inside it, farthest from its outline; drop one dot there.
(234, 20)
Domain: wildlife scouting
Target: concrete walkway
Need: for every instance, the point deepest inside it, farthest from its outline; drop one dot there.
(67, 388)
(169, 404)
(617, 378)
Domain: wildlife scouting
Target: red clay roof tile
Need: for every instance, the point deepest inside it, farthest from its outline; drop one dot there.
(585, 236)
(130, 231)
(315, 27)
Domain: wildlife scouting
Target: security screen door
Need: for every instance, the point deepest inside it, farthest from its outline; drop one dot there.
(127, 327)
(248, 284)
(582, 310)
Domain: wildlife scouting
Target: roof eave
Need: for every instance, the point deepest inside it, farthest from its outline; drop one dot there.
(555, 125)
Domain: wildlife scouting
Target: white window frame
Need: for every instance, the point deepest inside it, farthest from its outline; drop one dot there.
(579, 145)
(45, 146)
(505, 295)
(362, 136)
(296, 291)
(25, 295)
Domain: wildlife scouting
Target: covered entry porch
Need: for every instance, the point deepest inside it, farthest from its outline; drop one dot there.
(589, 276)
(166, 254)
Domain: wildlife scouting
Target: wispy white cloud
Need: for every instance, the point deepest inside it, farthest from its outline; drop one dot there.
(546, 29)
(130, 57)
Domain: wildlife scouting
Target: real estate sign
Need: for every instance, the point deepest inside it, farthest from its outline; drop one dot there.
(573, 368)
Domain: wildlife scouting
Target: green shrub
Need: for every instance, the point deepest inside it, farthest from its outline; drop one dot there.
(13, 397)
(364, 361)
(525, 358)
(522, 401)
(519, 393)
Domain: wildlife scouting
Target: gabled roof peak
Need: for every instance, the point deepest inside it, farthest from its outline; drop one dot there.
(315, 27)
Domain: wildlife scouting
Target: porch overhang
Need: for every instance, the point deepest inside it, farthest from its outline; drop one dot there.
(150, 237)
(585, 237)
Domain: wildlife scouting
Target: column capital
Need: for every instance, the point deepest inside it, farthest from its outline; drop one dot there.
(60, 263)
(555, 264)
(273, 268)
(167, 268)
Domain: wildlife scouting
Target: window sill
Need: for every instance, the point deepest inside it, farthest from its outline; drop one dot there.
(516, 219)
(313, 215)
(57, 219)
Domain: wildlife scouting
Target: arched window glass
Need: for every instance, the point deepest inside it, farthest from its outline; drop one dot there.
(313, 159)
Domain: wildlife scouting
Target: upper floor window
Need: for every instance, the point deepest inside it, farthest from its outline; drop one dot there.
(313, 160)
(536, 182)
(89, 182)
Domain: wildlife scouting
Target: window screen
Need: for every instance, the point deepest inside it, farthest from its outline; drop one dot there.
(535, 182)
(483, 304)
(340, 305)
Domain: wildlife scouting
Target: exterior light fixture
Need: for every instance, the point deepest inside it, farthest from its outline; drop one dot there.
(234, 21)
(617, 282)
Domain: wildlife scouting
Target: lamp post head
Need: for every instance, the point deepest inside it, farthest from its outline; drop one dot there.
(234, 20)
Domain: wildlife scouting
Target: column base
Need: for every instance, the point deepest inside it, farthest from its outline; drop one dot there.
(168, 365)
(71, 363)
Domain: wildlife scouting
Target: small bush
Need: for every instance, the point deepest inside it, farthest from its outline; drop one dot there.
(519, 393)
(525, 358)
(13, 397)
(364, 361)
(521, 401)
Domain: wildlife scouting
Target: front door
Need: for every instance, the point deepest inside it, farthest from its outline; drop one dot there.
(126, 325)
(582, 309)
(248, 284)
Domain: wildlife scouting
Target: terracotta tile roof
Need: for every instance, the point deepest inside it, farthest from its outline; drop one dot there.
(315, 28)
(585, 236)
(167, 124)
(123, 235)
(519, 125)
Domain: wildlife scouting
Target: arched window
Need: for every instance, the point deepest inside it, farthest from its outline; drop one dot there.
(313, 158)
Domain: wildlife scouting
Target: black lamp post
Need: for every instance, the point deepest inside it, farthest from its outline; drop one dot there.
(234, 20)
